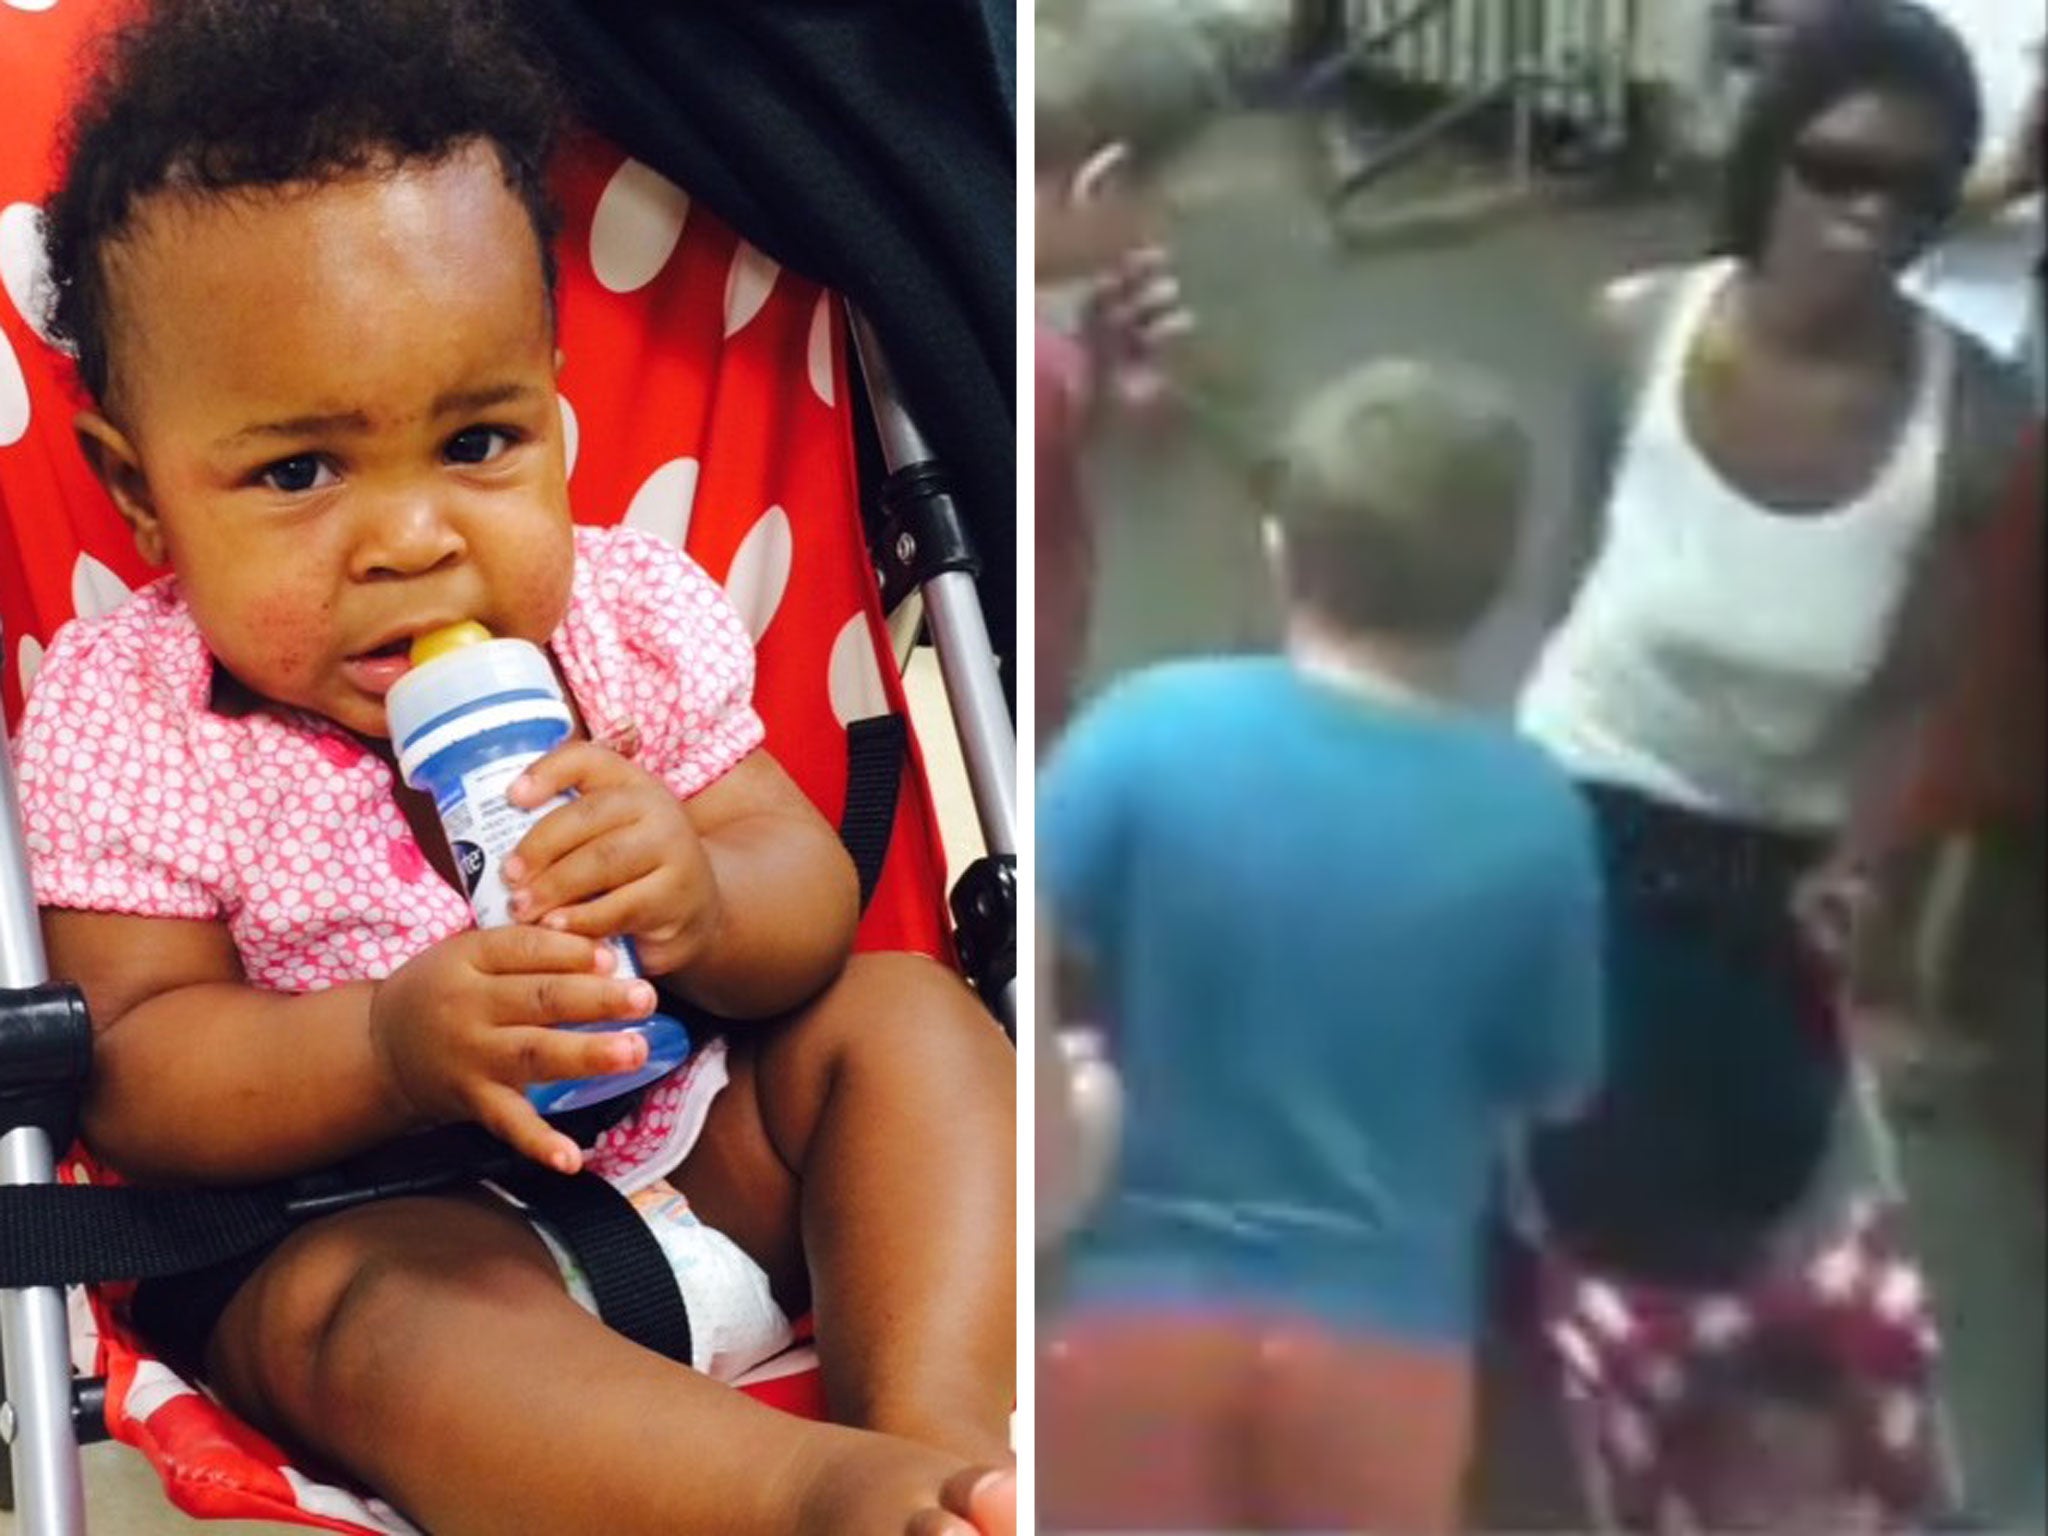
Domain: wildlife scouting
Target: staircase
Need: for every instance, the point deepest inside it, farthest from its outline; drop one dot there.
(1449, 108)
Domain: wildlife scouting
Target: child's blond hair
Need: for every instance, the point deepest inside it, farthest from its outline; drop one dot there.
(1399, 490)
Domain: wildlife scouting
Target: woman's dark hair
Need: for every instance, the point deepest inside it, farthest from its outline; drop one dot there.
(215, 95)
(1843, 47)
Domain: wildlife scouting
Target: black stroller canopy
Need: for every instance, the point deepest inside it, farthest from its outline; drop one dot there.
(871, 146)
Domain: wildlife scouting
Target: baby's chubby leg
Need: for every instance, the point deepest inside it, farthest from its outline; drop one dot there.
(428, 1348)
(865, 1154)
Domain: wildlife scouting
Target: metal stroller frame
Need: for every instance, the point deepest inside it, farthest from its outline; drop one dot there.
(923, 545)
(46, 1037)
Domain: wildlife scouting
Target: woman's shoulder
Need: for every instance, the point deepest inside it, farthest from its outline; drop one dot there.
(1644, 290)
(1626, 317)
(1627, 310)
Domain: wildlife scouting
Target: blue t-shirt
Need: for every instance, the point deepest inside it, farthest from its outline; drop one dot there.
(1345, 950)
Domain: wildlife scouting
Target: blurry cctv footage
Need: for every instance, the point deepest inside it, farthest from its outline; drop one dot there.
(1539, 766)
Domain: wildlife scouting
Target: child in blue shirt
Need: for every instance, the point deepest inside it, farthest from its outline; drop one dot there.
(1349, 937)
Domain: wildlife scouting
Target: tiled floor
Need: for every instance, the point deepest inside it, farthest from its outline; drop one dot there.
(122, 1496)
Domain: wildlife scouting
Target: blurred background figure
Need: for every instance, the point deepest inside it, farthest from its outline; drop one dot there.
(1116, 93)
(1985, 276)
(1349, 938)
(1962, 885)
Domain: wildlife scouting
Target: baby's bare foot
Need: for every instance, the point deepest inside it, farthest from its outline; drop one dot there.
(977, 1502)
(987, 1498)
(974, 1433)
(881, 1486)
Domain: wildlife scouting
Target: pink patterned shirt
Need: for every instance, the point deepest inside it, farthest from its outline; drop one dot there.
(139, 798)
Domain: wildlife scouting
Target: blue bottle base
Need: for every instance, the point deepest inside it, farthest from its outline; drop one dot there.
(668, 1043)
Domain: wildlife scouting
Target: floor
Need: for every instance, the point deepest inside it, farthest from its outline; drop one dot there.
(122, 1496)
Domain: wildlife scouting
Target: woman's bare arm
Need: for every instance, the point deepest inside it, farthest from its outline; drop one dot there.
(1622, 324)
(1980, 457)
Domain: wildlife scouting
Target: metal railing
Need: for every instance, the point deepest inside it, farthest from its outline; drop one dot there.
(1556, 71)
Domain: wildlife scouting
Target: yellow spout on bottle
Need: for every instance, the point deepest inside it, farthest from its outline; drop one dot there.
(452, 637)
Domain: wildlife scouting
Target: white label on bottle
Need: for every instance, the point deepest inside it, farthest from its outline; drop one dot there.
(484, 827)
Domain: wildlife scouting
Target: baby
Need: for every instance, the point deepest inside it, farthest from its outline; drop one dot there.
(1764, 1441)
(301, 252)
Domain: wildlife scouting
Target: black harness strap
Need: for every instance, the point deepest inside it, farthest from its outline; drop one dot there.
(875, 749)
(622, 1261)
(60, 1234)
(65, 1234)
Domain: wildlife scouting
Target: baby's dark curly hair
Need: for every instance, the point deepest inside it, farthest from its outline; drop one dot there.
(216, 95)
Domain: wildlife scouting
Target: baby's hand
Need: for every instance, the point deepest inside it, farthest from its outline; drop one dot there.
(461, 1029)
(621, 858)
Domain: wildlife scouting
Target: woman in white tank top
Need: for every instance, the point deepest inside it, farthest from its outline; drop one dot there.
(1786, 452)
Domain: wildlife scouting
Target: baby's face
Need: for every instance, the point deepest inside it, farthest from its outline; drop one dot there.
(337, 421)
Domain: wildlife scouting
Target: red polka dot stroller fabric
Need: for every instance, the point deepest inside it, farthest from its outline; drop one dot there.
(705, 398)
(1629, 1355)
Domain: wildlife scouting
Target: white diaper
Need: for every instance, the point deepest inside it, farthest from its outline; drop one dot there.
(734, 1321)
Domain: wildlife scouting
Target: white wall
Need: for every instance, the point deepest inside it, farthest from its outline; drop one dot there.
(2002, 36)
